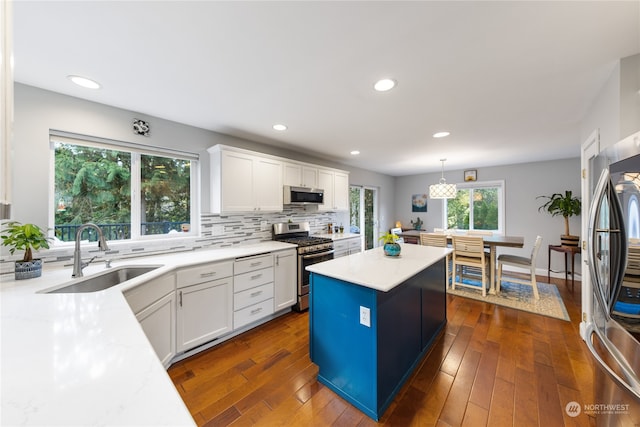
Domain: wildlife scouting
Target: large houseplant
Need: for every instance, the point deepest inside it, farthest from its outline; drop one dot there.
(567, 206)
(26, 237)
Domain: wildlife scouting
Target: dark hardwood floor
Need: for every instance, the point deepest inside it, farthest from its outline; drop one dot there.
(492, 366)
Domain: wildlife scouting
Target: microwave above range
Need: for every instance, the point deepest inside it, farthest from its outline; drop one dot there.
(303, 196)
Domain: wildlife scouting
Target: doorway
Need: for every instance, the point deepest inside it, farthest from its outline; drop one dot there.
(363, 213)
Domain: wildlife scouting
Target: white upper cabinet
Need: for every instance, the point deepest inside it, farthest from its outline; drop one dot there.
(242, 181)
(341, 191)
(267, 184)
(247, 181)
(299, 175)
(336, 189)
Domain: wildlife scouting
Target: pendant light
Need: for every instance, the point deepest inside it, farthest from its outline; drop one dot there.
(442, 190)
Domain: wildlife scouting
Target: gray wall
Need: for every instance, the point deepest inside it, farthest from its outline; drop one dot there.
(629, 95)
(523, 183)
(615, 112)
(37, 111)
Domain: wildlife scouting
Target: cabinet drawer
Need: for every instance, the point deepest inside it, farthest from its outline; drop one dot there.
(204, 273)
(146, 294)
(252, 313)
(242, 282)
(244, 265)
(252, 296)
(340, 245)
(354, 243)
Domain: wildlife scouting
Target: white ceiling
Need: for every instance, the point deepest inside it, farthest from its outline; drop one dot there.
(510, 80)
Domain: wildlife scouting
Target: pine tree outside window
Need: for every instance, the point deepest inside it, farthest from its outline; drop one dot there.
(477, 206)
(131, 192)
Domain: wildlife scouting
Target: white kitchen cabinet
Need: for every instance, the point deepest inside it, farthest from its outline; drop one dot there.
(158, 322)
(204, 304)
(267, 185)
(340, 248)
(242, 181)
(154, 304)
(348, 246)
(355, 245)
(299, 175)
(341, 191)
(285, 279)
(205, 312)
(336, 190)
(253, 290)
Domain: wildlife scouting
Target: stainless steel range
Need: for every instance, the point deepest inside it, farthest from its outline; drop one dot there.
(311, 250)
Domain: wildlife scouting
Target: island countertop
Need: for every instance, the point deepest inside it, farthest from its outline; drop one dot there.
(373, 269)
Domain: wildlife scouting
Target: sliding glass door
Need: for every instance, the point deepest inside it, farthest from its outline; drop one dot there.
(364, 213)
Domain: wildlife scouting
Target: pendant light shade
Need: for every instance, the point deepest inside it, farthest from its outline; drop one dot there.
(442, 190)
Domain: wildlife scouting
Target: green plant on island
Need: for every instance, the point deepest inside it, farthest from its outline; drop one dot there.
(388, 238)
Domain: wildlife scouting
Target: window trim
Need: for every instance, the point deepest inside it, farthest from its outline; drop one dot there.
(500, 185)
(136, 151)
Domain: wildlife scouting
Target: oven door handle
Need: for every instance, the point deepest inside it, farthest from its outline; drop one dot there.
(318, 255)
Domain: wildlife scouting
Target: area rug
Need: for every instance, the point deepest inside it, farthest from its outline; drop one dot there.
(520, 297)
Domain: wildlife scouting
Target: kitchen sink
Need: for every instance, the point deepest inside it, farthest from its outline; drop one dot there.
(105, 280)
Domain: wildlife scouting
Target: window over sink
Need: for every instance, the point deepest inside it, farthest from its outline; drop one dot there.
(131, 191)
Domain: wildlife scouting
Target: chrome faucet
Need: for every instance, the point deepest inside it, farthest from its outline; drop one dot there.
(78, 265)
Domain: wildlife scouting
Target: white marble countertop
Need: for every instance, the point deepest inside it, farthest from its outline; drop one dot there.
(83, 359)
(373, 269)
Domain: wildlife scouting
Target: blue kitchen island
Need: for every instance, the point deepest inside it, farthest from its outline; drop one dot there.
(372, 320)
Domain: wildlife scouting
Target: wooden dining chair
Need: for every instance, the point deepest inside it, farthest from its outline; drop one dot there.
(528, 264)
(468, 251)
(438, 240)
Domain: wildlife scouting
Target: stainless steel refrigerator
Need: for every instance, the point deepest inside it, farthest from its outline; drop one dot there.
(613, 256)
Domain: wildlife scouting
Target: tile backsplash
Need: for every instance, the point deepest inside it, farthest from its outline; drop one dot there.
(216, 231)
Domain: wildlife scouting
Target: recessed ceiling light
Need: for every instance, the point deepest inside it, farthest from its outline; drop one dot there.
(441, 134)
(84, 82)
(355, 152)
(384, 85)
(279, 127)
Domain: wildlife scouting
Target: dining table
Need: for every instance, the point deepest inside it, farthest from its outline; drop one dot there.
(491, 241)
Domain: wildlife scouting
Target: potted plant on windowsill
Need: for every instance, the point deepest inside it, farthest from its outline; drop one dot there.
(26, 237)
(391, 246)
(566, 205)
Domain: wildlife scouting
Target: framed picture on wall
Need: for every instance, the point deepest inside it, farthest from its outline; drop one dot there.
(419, 203)
(470, 175)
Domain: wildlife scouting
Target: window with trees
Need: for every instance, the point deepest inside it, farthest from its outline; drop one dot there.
(130, 191)
(477, 206)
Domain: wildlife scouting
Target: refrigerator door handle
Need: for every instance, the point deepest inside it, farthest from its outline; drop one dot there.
(632, 388)
(606, 243)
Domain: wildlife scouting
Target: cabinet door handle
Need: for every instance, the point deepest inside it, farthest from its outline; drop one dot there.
(209, 274)
(255, 264)
(180, 298)
(255, 294)
(256, 310)
(257, 276)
